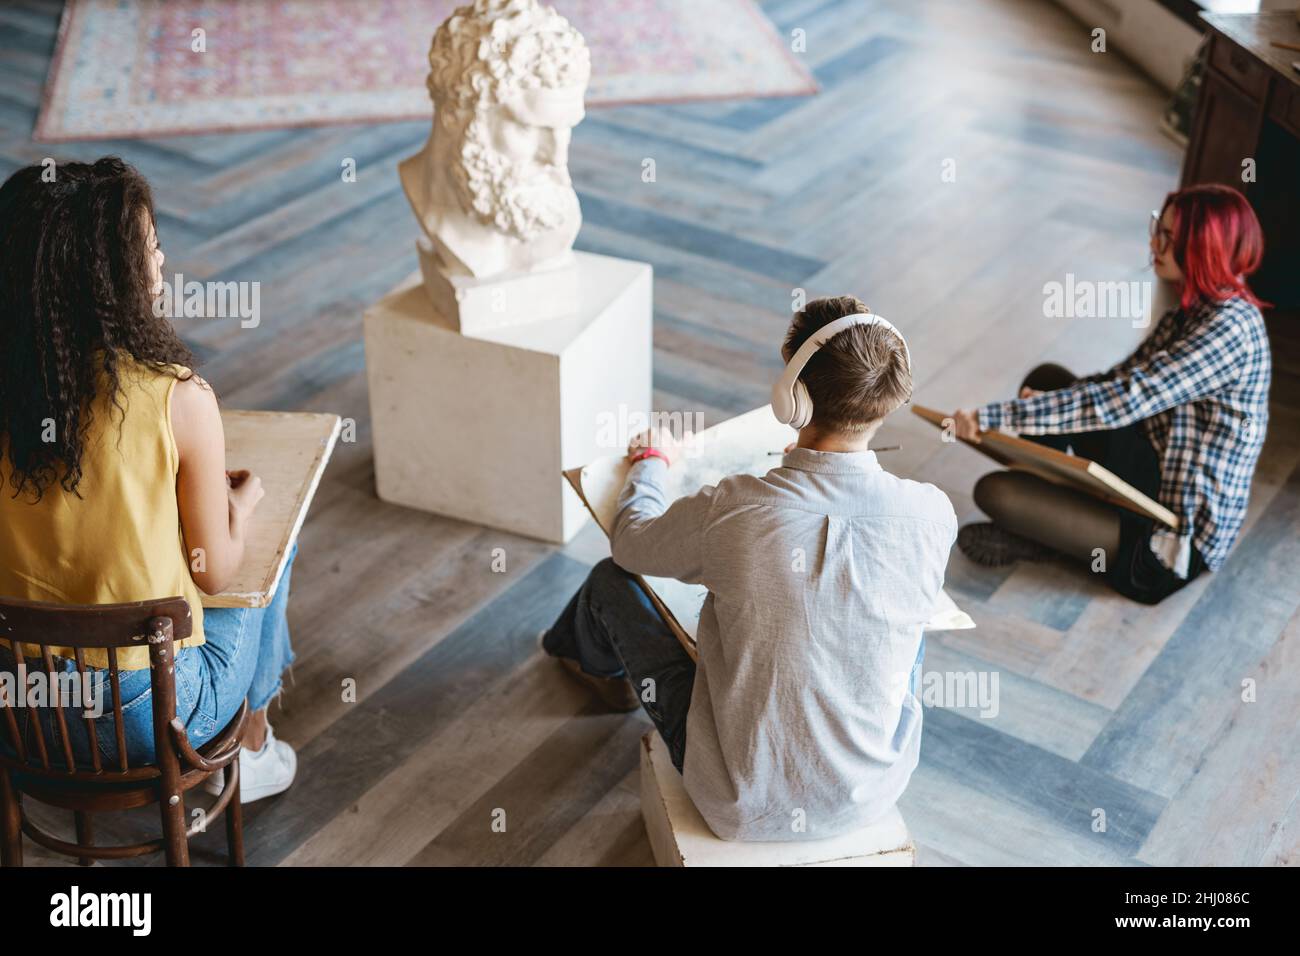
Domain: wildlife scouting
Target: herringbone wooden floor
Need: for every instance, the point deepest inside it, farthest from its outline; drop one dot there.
(1105, 705)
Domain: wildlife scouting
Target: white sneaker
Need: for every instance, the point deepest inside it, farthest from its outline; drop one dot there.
(262, 773)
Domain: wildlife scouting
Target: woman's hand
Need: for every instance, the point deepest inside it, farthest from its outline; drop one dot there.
(966, 423)
(244, 491)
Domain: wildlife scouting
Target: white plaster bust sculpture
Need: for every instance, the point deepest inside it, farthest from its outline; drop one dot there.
(491, 187)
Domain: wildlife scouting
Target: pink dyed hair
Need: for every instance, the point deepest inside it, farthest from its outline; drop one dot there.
(1217, 242)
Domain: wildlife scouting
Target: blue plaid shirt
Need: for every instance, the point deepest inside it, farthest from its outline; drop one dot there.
(1199, 386)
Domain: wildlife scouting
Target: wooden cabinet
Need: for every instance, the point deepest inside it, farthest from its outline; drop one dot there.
(1225, 134)
(1239, 67)
(1285, 108)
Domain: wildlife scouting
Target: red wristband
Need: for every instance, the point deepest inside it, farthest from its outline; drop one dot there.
(650, 453)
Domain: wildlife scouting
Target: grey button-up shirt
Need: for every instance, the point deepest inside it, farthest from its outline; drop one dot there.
(821, 575)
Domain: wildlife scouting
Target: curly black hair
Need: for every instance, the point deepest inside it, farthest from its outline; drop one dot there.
(74, 303)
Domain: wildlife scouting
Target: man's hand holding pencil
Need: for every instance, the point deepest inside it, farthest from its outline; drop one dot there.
(661, 440)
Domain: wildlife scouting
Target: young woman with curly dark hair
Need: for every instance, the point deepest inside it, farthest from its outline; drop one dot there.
(113, 484)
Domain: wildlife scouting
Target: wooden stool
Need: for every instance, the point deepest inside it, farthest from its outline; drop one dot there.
(680, 837)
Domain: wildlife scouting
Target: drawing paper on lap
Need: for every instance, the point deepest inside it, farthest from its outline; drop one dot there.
(288, 451)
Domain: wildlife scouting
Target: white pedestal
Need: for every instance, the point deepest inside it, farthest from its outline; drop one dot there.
(474, 306)
(480, 427)
(680, 837)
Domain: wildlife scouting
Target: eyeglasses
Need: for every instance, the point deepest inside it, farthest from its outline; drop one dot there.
(1160, 236)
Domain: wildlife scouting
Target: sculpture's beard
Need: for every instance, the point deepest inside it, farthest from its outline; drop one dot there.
(522, 201)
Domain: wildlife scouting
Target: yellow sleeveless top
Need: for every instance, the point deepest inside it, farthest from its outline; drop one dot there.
(121, 539)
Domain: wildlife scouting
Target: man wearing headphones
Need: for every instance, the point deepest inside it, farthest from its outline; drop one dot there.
(800, 720)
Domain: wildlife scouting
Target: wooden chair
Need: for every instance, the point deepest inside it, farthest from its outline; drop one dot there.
(178, 767)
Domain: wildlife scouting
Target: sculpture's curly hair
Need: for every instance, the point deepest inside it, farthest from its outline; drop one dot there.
(74, 304)
(490, 48)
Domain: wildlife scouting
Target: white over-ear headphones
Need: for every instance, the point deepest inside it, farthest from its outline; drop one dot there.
(791, 402)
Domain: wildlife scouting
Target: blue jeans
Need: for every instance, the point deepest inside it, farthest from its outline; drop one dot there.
(244, 654)
(612, 629)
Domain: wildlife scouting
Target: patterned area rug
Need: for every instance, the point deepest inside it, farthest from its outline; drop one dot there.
(125, 68)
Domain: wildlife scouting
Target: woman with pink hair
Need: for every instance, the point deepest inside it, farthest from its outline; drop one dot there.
(1182, 419)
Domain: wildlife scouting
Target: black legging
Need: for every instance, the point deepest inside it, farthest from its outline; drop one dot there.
(1070, 521)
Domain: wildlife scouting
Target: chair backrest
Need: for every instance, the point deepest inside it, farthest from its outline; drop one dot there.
(102, 626)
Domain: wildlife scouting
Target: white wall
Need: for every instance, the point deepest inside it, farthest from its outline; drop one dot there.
(1153, 38)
